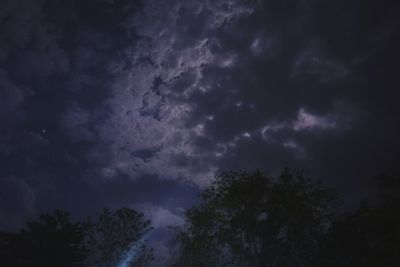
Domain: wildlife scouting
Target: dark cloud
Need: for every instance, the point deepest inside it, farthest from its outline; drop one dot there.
(56, 73)
(112, 103)
(328, 61)
(17, 202)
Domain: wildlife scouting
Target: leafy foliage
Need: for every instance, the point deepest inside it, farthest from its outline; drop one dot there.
(53, 240)
(244, 219)
(371, 235)
(113, 233)
(253, 219)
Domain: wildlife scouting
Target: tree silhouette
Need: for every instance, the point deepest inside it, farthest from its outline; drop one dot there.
(244, 219)
(112, 234)
(370, 236)
(53, 240)
(253, 219)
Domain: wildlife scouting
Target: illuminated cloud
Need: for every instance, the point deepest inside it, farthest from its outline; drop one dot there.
(308, 121)
(111, 103)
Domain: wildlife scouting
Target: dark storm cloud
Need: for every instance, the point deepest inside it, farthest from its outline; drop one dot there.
(311, 85)
(18, 201)
(58, 63)
(111, 103)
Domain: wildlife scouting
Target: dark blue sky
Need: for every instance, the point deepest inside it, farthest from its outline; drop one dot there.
(128, 103)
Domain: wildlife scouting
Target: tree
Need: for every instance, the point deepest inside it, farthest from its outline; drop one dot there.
(112, 234)
(370, 236)
(253, 219)
(52, 240)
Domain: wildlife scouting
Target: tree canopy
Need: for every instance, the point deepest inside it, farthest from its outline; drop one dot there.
(113, 233)
(254, 219)
(54, 240)
(244, 219)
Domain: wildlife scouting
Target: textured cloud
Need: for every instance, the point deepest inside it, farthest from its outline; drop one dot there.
(159, 216)
(139, 103)
(149, 116)
(108, 103)
(17, 202)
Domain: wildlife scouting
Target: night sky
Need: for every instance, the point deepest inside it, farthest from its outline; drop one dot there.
(112, 103)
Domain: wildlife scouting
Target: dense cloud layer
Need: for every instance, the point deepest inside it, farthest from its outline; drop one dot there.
(112, 103)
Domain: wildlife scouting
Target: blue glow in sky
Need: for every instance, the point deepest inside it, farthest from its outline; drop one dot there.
(131, 254)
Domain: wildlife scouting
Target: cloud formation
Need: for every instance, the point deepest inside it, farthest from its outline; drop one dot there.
(112, 103)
